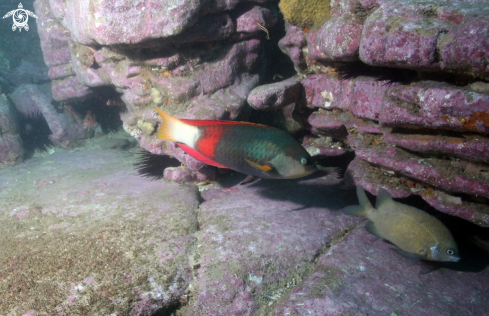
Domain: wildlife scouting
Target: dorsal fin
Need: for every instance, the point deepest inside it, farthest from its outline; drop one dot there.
(214, 122)
(383, 197)
(362, 209)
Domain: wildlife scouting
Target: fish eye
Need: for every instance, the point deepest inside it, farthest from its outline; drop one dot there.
(303, 160)
(450, 252)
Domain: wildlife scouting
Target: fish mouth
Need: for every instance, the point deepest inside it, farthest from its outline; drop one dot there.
(455, 259)
(304, 174)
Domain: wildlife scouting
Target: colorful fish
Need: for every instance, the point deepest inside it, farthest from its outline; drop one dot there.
(417, 234)
(253, 149)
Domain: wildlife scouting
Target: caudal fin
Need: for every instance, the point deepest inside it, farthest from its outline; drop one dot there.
(363, 199)
(175, 130)
(362, 209)
(169, 126)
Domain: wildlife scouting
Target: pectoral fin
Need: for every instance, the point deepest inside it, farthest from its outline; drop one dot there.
(414, 258)
(264, 168)
(248, 181)
(371, 228)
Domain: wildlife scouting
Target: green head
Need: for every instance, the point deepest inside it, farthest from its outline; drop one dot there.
(294, 162)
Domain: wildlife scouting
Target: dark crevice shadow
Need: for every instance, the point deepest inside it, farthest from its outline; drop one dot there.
(317, 190)
(167, 310)
(324, 188)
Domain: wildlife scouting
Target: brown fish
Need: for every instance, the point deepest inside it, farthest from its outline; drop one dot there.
(417, 234)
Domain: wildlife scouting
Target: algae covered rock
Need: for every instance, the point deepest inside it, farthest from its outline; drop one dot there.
(10, 143)
(310, 14)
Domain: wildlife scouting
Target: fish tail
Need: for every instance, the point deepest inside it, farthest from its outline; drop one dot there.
(173, 129)
(354, 210)
(362, 209)
(363, 199)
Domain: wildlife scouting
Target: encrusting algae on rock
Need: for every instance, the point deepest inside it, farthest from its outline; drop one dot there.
(306, 13)
(417, 234)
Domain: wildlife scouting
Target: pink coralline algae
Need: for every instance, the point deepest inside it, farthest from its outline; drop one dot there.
(192, 59)
(423, 134)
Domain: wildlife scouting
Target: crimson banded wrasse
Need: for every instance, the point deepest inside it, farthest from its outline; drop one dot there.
(253, 149)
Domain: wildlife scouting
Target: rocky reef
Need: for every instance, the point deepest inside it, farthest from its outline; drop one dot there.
(192, 60)
(11, 151)
(403, 85)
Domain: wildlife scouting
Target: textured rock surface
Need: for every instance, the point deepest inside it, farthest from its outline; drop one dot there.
(83, 234)
(11, 151)
(26, 72)
(423, 133)
(361, 275)
(432, 35)
(256, 243)
(192, 59)
(383, 33)
(275, 96)
(451, 123)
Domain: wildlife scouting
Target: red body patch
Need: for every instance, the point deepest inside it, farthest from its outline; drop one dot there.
(194, 153)
(211, 133)
(207, 142)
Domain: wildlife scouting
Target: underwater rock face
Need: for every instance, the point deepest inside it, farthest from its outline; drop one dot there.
(194, 60)
(32, 99)
(11, 151)
(433, 35)
(436, 36)
(26, 72)
(423, 134)
(275, 96)
(427, 138)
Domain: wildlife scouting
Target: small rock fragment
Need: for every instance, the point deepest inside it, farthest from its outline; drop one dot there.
(272, 97)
